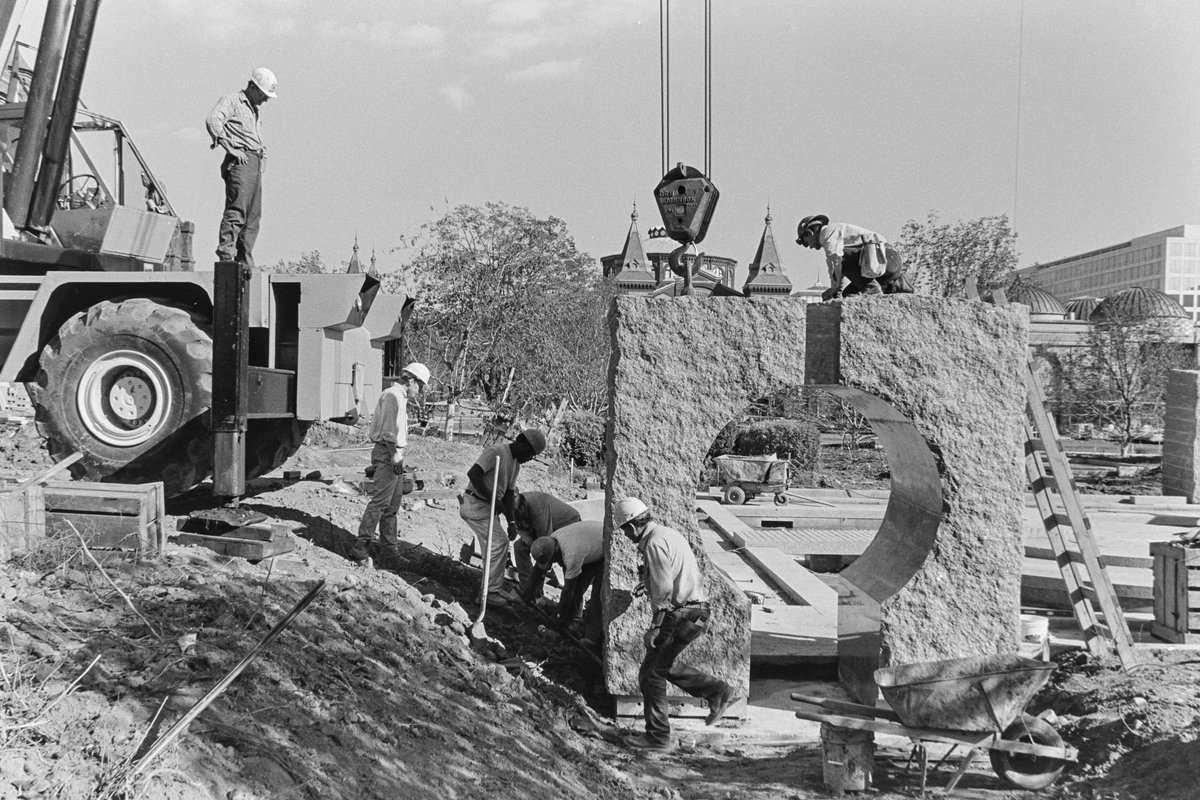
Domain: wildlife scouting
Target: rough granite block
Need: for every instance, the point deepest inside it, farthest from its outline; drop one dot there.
(683, 368)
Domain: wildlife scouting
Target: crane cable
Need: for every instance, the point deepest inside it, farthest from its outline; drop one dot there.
(664, 72)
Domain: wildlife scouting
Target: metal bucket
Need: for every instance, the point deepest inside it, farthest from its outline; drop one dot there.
(983, 693)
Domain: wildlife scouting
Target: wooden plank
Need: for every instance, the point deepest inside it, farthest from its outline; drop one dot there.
(1048, 554)
(251, 550)
(22, 521)
(93, 503)
(792, 634)
(1160, 578)
(677, 706)
(1166, 632)
(795, 581)
(46, 475)
(728, 525)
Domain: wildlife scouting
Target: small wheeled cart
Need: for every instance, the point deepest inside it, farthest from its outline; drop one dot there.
(742, 478)
(976, 703)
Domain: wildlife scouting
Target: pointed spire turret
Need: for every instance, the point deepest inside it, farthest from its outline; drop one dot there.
(355, 266)
(633, 269)
(766, 270)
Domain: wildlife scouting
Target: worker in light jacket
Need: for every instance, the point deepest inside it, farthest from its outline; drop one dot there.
(389, 432)
(845, 248)
(579, 549)
(672, 582)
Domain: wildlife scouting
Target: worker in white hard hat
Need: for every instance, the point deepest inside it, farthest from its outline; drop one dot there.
(579, 549)
(672, 582)
(494, 475)
(389, 432)
(864, 260)
(233, 126)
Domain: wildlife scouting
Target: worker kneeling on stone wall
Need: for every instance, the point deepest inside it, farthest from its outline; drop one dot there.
(865, 260)
(579, 549)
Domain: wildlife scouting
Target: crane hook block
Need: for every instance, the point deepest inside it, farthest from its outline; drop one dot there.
(686, 200)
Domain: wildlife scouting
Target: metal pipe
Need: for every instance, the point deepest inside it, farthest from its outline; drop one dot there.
(38, 104)
(62, 119)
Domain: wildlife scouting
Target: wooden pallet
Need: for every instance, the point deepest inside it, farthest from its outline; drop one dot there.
(251, 542)
(1176, 593)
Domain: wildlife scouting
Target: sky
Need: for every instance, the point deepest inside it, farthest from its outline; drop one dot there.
(1079, 119)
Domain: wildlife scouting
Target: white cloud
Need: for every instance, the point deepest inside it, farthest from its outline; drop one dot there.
(548, 70)
(457, 97)
(191, 135)
(517, 12)
(503, 46)
(428, 39)
(284, 26)
(224, 20)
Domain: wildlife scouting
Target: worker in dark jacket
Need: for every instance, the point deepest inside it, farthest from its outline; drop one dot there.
(579, 549)
(498, 466)
(845, 249)
(538, 514)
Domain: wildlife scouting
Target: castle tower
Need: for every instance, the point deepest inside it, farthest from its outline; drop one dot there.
(766, 270)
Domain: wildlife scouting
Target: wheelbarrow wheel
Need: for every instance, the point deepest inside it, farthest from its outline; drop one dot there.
(781, 499)
(734, 495)
(1026, 771)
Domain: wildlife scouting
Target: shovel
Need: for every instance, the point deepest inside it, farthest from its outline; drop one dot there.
(477, 629)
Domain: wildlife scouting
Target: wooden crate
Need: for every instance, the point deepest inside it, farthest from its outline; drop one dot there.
(1176, 592)
(22, 520)
(109, 516)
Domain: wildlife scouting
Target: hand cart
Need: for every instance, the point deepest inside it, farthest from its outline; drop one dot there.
(977, 703)
(742, 478)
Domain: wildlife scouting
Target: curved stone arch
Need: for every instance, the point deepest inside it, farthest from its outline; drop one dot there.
(943, 374)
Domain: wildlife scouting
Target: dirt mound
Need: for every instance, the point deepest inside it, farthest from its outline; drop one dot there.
(22, 452)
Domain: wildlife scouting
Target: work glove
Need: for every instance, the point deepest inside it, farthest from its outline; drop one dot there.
(831, 293)
(512, 533)
(398, 469)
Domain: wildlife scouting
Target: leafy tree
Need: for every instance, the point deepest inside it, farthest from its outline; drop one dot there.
(498, 288)
(1120, 376)
(308, 263)
(941, 258)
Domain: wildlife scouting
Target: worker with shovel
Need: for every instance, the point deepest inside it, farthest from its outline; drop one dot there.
(671, 580)
(579, 549)
(389, 432)
(868, 262)
(492, 490)
(538, 515)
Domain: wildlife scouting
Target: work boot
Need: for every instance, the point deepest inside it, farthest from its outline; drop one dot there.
(642, 741)
(359, 553)
(871, 287)
(720, 702)
(388, 554)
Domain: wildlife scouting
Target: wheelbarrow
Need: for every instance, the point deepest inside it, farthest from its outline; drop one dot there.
(977, 703)
(743, 478)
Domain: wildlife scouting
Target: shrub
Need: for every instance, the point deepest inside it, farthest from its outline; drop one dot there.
(798, 441)
(583, 439)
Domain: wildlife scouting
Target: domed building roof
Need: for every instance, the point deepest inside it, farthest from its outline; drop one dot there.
(1040, 302)
(1081, 307)
(1139, 302)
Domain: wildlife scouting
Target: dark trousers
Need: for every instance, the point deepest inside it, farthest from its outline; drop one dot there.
(572, 598)
(892, 281)
(679, 627)
(243, 209)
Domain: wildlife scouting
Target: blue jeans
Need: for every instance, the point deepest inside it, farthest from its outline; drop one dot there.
(679, 628)
(243, 209)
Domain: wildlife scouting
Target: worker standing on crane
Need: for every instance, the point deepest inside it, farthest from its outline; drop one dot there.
(868, 262)
(234, 126)
(494, 475)
(672, 581)
(389, 432)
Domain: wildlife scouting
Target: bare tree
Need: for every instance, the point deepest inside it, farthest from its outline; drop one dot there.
(1120, 376)
(941, 258)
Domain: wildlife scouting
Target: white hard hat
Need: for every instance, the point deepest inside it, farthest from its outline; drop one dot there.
(418, 371)
(264, 79)
(626, 510)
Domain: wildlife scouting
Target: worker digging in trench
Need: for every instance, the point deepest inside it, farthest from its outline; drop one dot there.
(672, 582)
(865, 260)
(579, 549)
(494, 474)
(537, 515)
(389, 432)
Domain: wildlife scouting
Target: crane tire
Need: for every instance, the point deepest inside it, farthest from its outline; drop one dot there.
(128, 383)
(270, 442)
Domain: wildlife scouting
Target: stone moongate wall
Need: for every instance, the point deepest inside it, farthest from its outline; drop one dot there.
(939, 380)
(683, 368)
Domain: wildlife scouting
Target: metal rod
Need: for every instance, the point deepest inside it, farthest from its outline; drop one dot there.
(62, 120)
(38, 105)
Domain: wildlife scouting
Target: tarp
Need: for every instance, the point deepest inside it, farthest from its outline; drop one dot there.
(757, 469)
